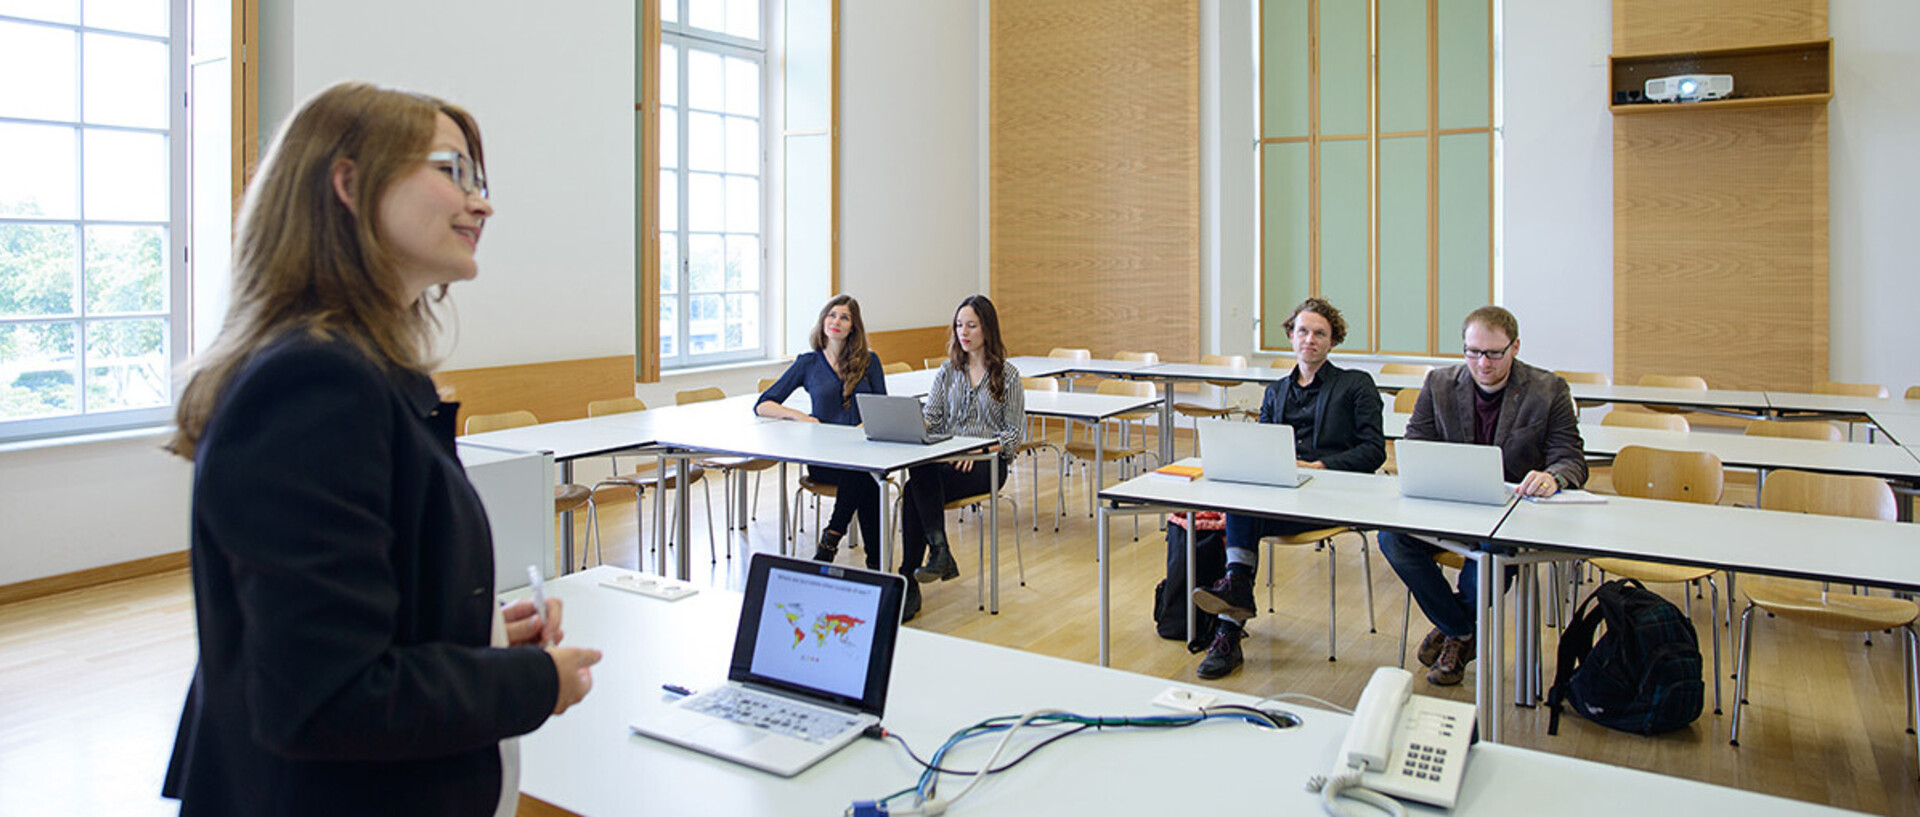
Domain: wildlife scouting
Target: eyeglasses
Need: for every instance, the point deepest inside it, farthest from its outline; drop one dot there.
(462, 170)
(1485, 354)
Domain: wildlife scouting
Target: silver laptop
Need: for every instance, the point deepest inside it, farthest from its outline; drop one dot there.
(894, 418)
(1260, 453)
(1456, 472)
(809, 673)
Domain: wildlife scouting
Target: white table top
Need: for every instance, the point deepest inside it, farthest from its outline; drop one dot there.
(1750, 401)
(1884, 554)
(572, 439)
(1037, 366)
(1903, 428)
(813, 444)
(1337, 497)
(589, 762)
(1742, 451)
(1203, 371)
(1841, 404)
(1084, 405)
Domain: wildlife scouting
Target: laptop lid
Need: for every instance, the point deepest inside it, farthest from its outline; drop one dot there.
(821, 632)
(1456, 472)
(1260, 453)
(895, 419)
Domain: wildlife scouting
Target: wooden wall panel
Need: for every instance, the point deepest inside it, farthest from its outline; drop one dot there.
(558, 390)
(911, 345)
(1720, 246)
(1662, 26)
(1094, 177)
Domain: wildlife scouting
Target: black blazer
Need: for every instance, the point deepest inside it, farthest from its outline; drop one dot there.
(1347, 433)
(1538, 428)
(343, 583)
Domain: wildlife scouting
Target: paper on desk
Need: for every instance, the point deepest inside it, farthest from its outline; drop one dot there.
(1570, 496)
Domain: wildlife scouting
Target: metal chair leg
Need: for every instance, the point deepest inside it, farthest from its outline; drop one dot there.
(1740, 686)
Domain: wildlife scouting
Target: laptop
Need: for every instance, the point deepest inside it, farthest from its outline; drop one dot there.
(892, 418)
(811, 662)
(1455, 472)
(1260, 453)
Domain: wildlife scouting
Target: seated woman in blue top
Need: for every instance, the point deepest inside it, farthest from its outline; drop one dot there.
(839, 367)
(976, 393)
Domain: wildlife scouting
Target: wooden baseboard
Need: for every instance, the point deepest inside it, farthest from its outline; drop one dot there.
(80, 579)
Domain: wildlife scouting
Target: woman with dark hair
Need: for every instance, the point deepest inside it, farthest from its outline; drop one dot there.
(976, 393)
(352, 657)
(839, 367)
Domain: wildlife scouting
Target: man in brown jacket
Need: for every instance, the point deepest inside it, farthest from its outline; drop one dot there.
(1490, 399)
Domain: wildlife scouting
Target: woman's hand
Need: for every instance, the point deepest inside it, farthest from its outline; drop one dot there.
(524, 628)
(574, 665)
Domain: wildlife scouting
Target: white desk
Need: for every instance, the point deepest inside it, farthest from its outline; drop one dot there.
(1720, 400)
(588, 762)
(1841, 404)
(1092, 409)
(1904, 429)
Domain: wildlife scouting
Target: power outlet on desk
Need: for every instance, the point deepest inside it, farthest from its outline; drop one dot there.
(1182, 699)
(650, 586)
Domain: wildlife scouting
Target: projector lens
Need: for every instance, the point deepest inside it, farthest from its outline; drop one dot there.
(1688, 86)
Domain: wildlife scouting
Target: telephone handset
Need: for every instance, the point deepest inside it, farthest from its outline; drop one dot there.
(1408, 746)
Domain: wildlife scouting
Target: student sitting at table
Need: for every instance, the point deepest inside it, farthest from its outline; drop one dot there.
(839, 367)
(976, 393)
(1335, 415)
(1491, 399)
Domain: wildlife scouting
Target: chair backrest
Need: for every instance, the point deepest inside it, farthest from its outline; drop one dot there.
(1645, 419)
(1675, 476)
(1404, 401)
(1913, 392)
(766, 383)
(1828, 494)
(932, 362)
(1282, 363)
(1129, 388)
(1140, 357)
(1417, 369)
(483, 423)
(1071, 354)
(1674, 381)
(1589, 378)
(1809, 430)
(896, 367)
(681, 398)
(1040, 383)
(1850, 389)
(1238, 361)
(617, 405)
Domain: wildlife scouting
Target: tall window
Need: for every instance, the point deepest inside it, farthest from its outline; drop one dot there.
(1376, 154)
(712, 166)
(92, 277)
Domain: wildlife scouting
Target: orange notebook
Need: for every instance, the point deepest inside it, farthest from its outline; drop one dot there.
(1184, 473)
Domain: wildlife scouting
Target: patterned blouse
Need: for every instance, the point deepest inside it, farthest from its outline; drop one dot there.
(953, 407)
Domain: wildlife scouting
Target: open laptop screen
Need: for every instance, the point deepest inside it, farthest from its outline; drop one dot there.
(816, 628)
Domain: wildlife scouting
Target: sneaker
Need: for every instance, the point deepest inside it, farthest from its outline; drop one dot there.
(1430, 647)
(1451, 665)
(1231, 596)
(1223, 656)
(910, 606)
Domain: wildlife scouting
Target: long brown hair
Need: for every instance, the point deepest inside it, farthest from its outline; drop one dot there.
(995, 350)
(302, 259)
(854, 356)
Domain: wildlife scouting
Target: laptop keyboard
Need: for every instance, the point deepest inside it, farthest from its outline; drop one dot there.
(774, 714)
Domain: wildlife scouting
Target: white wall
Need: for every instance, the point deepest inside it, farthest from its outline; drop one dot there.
(910, 114)
(1873, 172)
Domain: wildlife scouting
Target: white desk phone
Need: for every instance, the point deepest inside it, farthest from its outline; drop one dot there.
(1403, 745)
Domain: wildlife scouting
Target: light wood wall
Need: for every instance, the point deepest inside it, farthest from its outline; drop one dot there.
(911, 345)
(557, 390)
(1094, 177)
(1720, 214)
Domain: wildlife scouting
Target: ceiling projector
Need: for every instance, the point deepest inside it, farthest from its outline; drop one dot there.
(1689, 87)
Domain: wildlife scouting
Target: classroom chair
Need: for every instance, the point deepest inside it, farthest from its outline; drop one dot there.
(1672, 381)
(1586, 378)
(933, 362)
(730, 468)
(1127, 451)
(1323, 538)
(568, 497)
(1404, 401)
(1850, 389)
(1796, 429)
(1855, 496)
(1215, 387)
(1646, 419)
(896, 367)
(644, 478)
(1037, 440)
(1077, 355)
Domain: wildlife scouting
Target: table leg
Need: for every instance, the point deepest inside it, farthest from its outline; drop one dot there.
(1165, 432)
(993, 518)
(660, 515)
(566, 523)
(1100, 535)
(786, 528)
(1522, 645)
(886, 523)
(1099, 466)
(1493, 662)
(1193, 580)
(683, 563)
(1482, 626)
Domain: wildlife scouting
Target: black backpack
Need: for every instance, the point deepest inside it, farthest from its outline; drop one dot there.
(1642, 676)
(1210, 563)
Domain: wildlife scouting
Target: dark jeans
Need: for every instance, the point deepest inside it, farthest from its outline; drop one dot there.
(1449, 609)
(924, 503)
(855, 492)
(1244, 532)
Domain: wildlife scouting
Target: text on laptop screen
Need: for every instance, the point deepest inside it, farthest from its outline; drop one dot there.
(817, 632)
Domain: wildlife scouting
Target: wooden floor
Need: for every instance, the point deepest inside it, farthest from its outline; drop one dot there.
(91, 681)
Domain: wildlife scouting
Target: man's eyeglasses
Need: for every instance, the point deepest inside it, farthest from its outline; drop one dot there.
(462, 170)
(1485, 354)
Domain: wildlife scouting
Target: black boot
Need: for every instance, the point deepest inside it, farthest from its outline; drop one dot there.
(829, 546)
(910, 606)
(940, 566)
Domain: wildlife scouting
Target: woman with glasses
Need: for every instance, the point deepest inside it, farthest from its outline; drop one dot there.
(839, 367)
(976, 393)
(352, 657)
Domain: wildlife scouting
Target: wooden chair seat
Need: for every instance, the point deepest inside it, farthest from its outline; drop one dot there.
(1311, 537)
(1448, 558)
(1845, 612)
(1324, 536)
(1084, 450)
(896, 367)
(932, 362)
(569, 497)
(1650, 571)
